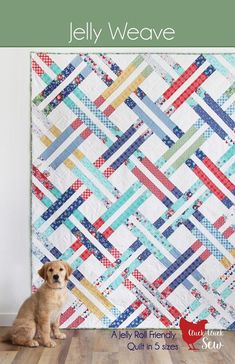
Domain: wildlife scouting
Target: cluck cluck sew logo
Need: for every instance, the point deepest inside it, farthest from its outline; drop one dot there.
(192, 332)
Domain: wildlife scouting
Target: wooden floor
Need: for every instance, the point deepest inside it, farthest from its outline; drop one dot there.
(97, 347)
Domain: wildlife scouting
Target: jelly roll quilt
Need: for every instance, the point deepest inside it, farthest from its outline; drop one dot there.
(133, 185)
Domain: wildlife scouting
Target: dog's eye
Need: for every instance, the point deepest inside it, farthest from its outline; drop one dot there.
(61, 269)
(50, 270)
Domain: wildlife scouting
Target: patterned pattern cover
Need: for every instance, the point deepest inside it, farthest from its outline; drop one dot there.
(133, 185)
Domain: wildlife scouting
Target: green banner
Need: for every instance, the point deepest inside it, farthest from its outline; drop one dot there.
(129, 23)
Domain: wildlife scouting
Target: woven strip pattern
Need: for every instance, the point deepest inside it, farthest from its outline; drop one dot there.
(133, 184)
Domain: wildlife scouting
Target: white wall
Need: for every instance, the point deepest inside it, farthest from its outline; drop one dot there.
(14, 180)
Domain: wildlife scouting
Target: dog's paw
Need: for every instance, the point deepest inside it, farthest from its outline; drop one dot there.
(60, 336)
(50, 344)
(33, 343)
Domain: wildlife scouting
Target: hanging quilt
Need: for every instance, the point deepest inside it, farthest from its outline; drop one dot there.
(133, 185)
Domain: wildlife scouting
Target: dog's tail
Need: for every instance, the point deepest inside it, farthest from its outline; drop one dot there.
(5, 338)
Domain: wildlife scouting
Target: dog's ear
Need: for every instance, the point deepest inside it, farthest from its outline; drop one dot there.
(43, 270)
(68, 269)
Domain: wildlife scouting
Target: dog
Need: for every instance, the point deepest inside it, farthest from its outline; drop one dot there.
(39, 315)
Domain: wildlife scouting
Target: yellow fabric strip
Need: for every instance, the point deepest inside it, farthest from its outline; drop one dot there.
(55, 131)
(95, 310)
(78, 154)
(91, 288)
(69, 164)
(132, 87)
(226, 263)
(126, 73)
(232, 252)
(45, 140)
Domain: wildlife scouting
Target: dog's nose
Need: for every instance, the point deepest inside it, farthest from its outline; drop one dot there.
(55, 277)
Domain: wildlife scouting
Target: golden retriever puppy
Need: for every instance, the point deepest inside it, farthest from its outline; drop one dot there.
(39, 315)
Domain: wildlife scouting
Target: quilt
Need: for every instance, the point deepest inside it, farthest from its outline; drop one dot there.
(133, 185)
